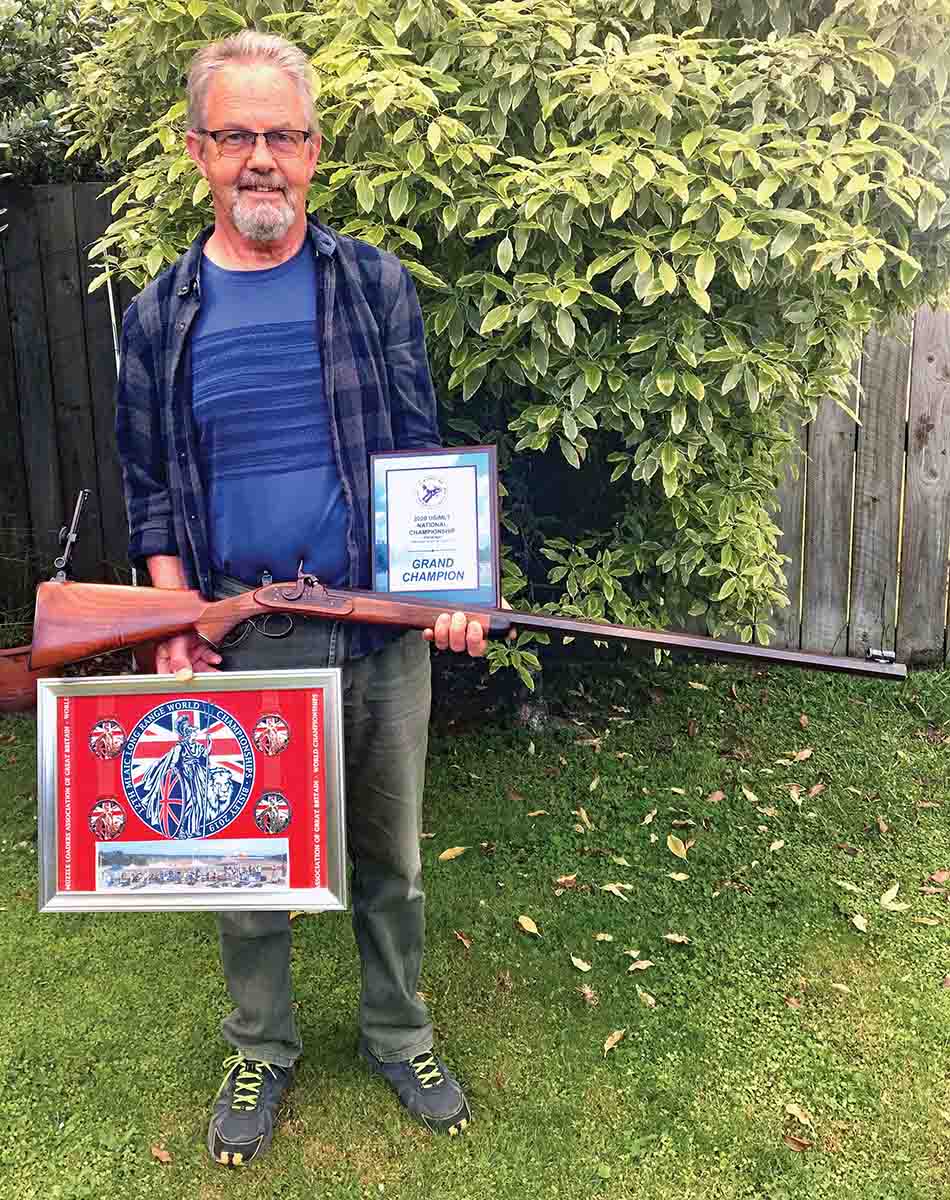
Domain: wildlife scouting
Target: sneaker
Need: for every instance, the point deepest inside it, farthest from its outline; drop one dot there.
(426, 1089)
(242, 1124)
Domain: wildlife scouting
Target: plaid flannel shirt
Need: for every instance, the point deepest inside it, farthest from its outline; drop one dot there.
(375, 377)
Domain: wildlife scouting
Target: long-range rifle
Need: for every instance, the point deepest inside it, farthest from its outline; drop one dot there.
(79, 620)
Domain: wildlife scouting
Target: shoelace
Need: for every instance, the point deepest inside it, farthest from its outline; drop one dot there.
(427, 1070)
(248, 1080)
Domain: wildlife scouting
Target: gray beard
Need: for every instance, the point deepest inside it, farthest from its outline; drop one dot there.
(267, 222)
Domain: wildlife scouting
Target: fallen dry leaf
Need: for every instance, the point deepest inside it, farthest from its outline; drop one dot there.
(796, 1111)
(612, 1041)
(161, 1154)
(649, 817)
(699, 687)
(452, 852)
(603, 937)
(529, 926)
(842, 987)
(804, 755)
(640, 964)
(580, 963)
(803, 721)
(682, 825)
(514, 796)
(618, 889)
(882, 825)
(679, 939)
(716, 797)
(796, 1143)
(768, 810)
(792, 1002)
(860, 922)
(299, 912)
(566, 881)
(675, 846)
(588, 995)
(847, 848)
(645, 998)
(849, 887)
(692, 727)
(679, 876)
(584, 818)
(816, 790)
(776, 846)
(678, 791)
(594, 784)
(466, 941)
(939, 877)
(619, 860)
(927, 921)
(749, 794)
(889, 902)
(946, 981)
(538, 812)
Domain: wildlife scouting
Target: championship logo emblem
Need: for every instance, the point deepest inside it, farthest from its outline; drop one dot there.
(272, 812)
(271, 734)
(431, 491)
(187, 769)
(106, 738)
(106, 819)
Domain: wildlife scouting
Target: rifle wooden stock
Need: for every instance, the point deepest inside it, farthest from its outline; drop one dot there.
(17, 681)
(79, 620)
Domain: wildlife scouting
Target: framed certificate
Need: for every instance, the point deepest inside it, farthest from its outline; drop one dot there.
(435, 524)
(225, 792)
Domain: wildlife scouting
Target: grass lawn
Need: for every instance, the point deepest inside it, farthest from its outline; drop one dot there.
(777, 999)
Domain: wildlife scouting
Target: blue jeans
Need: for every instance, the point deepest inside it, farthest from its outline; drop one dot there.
(386, 703)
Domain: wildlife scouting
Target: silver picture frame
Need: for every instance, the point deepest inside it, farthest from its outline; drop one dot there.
(53, 899)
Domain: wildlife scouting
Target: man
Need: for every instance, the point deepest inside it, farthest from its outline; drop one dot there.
(258, 373)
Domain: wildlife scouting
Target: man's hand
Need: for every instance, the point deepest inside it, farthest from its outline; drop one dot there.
(187, 650)
(454, 632)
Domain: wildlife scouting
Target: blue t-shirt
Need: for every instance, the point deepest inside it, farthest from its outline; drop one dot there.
(271, 480)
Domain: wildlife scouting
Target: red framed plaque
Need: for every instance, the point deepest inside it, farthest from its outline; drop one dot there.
(225, 792)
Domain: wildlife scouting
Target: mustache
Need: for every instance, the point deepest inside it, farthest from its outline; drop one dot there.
(248, 179)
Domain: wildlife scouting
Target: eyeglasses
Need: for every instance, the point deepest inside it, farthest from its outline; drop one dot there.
(238, 143)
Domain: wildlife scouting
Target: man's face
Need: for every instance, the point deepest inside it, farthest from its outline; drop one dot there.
(258, 196)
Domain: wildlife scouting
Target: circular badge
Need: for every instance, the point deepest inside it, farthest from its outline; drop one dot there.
(272, 812)
(106, 819)
(431, 491)
(187, 768)
(271, 734)
(106, 738)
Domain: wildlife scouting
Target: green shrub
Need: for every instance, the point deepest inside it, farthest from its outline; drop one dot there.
(37, 40)
(649, 240)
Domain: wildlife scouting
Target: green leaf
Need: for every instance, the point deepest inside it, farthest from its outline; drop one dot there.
(621, 202)
(154, 260)
(783, 241)
(767, 189)
(699, 295)
(679, 239)
(678, 418)
(644, 167)
(569, 452)
(570, 427)
(434, 137)
(705, 269)
(565, 327)
(669, 458)
(496, 318)
(727, 588)
(693, 384)
(643, 341)
(201, 190)
(666, 381)
(365, 194)
(691, 141)
(416, 155)
(504, 255)
(731, 378)
(730, 229)
(667, 277)
(399, 199)
(383, 98)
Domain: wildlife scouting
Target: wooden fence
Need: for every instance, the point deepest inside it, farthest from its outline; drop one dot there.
(866, 525)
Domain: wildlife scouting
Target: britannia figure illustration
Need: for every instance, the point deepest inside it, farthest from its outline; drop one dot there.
(175, 787)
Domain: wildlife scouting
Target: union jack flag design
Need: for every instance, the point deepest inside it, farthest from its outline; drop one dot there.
(187, 769)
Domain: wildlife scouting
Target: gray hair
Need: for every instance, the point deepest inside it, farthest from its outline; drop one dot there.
(249, 46)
